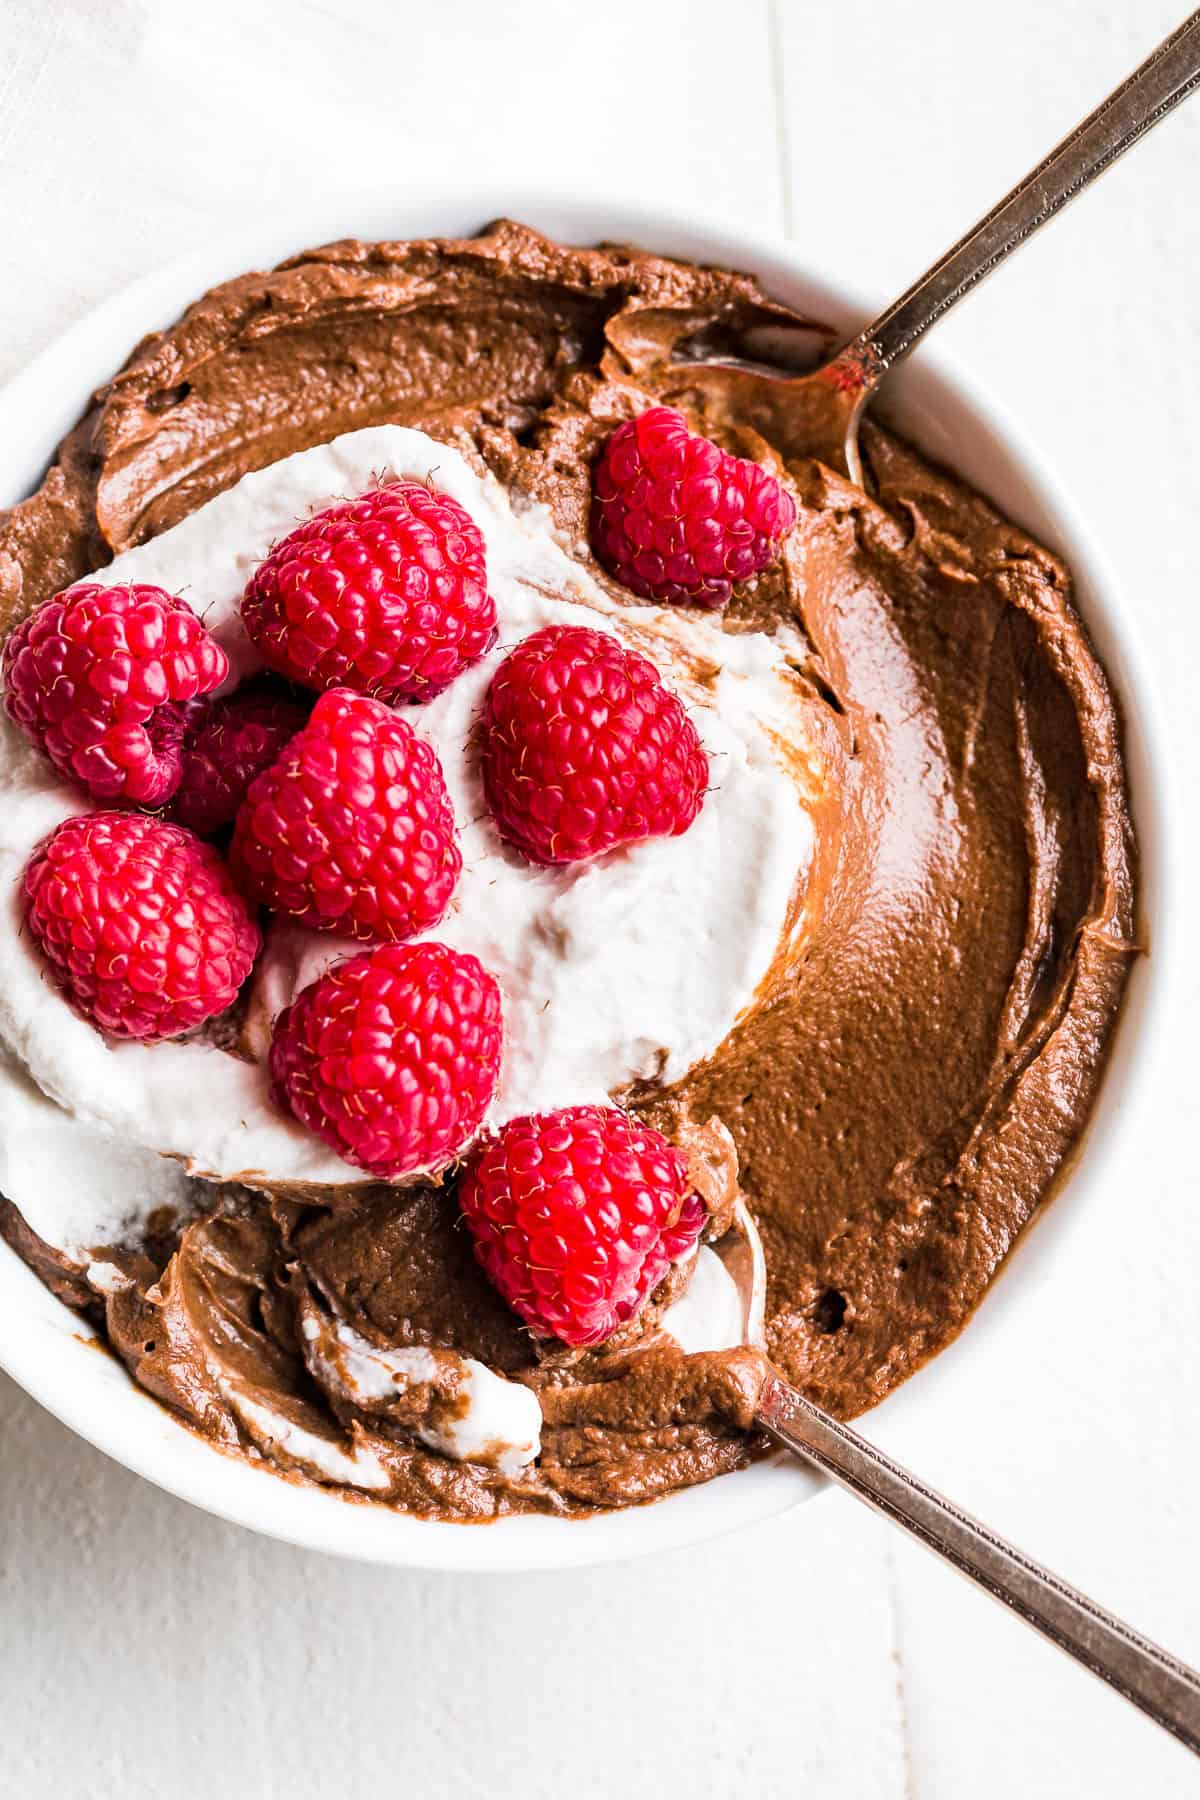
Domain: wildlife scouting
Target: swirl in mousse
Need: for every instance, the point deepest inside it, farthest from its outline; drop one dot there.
(835, 937)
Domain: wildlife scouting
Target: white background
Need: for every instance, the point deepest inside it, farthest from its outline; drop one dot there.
(145, 1647)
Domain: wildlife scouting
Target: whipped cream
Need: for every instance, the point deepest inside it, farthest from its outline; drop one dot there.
(636, 965)
(495, 1421)
(76, 1184)
(286, 1440)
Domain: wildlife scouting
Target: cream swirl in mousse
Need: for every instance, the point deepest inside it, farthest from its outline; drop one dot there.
(631, 967)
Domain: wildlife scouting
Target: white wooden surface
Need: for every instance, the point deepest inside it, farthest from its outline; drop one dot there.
(144, 1646)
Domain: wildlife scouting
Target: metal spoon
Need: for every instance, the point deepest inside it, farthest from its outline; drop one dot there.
(819, 412)
(1157, 1683)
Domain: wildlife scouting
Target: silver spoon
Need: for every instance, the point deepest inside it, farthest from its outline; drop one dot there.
(1157, 1683)
(818, 413)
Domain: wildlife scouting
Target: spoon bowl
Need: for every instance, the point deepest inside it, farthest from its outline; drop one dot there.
(813, 414)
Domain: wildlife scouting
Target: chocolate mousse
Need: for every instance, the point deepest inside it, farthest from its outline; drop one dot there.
(920, 1059)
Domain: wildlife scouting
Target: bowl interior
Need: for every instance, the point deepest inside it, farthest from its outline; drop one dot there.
(45, 1347)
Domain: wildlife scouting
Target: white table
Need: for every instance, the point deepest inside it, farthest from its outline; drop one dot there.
(145, 1647)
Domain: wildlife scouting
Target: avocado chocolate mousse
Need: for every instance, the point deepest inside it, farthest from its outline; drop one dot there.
(481, 818)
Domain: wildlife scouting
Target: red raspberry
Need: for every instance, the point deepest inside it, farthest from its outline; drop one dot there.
(226, 744)
(88, 676)
(351, 828)
(577, 1215)
(392, 1057)
(386, 595)
(140, 923)
(585, 749)
(676, 518)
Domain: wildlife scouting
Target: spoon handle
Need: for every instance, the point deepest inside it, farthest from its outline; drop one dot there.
(1157, 1684)
(1163, 80)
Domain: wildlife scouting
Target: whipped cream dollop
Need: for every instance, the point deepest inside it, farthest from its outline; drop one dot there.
(635, 965)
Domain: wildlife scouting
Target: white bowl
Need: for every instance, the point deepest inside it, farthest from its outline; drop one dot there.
(44, 1346)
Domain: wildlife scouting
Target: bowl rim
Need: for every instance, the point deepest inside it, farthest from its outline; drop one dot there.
(149, 1440)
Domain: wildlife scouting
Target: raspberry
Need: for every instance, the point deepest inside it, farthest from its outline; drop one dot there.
(577, 1215)
(140, 923)
(351, 828)
(584, 748)
(89, 675)
(386, 595)
(226, 743)
(674, 517)
(392, 1057)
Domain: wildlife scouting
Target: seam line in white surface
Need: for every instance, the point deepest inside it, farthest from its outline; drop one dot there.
(897, 1653)
(779, 96)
